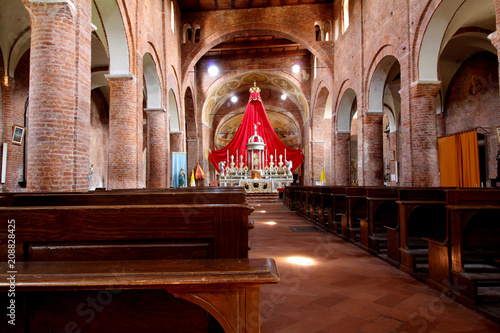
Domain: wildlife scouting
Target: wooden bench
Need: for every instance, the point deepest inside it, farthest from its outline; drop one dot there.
(302, 201)
(470, 254)
(338, 208)
(422, 214)
(128, 232)
(315, 203)
(227, 288)
(356, 209)
(127, 197)
(382, 212)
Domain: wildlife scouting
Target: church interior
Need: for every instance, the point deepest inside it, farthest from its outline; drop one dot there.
(150, 145)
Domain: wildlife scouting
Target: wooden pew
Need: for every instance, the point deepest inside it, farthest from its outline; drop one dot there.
(227, 288)
(356, 205)
(116, 233)
(207, 195)
(422, 214)
(302, 201)
(382, 212)
(470, 254)
(315, 203)
(338, 208)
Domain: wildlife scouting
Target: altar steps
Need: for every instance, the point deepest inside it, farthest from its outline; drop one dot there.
(262, 198)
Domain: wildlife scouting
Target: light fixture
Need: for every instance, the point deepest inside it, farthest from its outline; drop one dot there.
(213, 70)
(234, 99)
(283, 97)
(270, 223)
(296, 69)
(300, 261)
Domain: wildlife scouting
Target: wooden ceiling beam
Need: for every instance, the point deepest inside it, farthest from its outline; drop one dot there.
(255, 45)
(297, 53)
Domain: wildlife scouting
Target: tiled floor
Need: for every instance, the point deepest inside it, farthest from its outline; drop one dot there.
(345, 289)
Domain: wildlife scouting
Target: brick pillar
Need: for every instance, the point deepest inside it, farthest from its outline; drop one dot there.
(176, 142)
(373, 162)
(192, 153)
(8, 84)
(393, 146)
(342, 162)
(157, 148)
(424, 150)
(123, 141)
(59, 96)
(495, 37)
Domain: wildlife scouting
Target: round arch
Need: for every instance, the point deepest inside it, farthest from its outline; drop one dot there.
(152, 82)
(383, 98)
(344, 113)
(217, 94)
(246, 29)
(173, 112)
(107, 18)
(448, 17)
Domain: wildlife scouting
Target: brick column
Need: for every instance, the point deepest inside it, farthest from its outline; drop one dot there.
(424, 150)
(157, 148)
(393, 146)
(373, 162)
(8, 84)
(494, 37)
(59, 96)
(342, 162)
(123, 141)
(176, 142)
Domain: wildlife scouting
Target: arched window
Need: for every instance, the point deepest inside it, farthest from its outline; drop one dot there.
(346, 15)
(172, 16)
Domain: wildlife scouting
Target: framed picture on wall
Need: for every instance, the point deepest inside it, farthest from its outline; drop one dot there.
(498, 134)
(18, 134)
(391, 155)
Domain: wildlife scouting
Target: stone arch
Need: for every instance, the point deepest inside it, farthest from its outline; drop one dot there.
(152, 82)
(107, 16)
(244, 29)
(380, 98)
(443, 22)
(344, 112)
(241, 80)
(344, 172)
(173, 112)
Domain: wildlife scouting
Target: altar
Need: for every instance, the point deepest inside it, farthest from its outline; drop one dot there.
(269, 185)
(259, 163)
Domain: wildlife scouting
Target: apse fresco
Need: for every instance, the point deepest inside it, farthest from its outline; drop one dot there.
(285, 128)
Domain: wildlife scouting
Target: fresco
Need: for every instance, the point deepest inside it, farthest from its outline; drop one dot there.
(284, 126)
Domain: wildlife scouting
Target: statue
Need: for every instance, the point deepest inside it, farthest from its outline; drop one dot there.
(91, 172)
(289, 167)
(182, 178)
(222, 165)
(255, 162)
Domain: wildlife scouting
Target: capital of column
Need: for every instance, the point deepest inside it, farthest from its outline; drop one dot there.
(8, 81)
(495, 39)
(120, 76)
(54, 2)
(424, 88)
(150, 110)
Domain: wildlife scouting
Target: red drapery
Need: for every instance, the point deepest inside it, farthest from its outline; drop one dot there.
(255, 114)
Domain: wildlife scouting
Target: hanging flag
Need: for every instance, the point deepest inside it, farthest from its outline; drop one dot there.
(323, 177)
(192, 182)
(199, 172)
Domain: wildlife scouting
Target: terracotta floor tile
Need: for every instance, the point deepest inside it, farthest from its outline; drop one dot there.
(346, 290)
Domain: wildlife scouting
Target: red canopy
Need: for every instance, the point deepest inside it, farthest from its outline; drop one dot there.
(255, 114)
